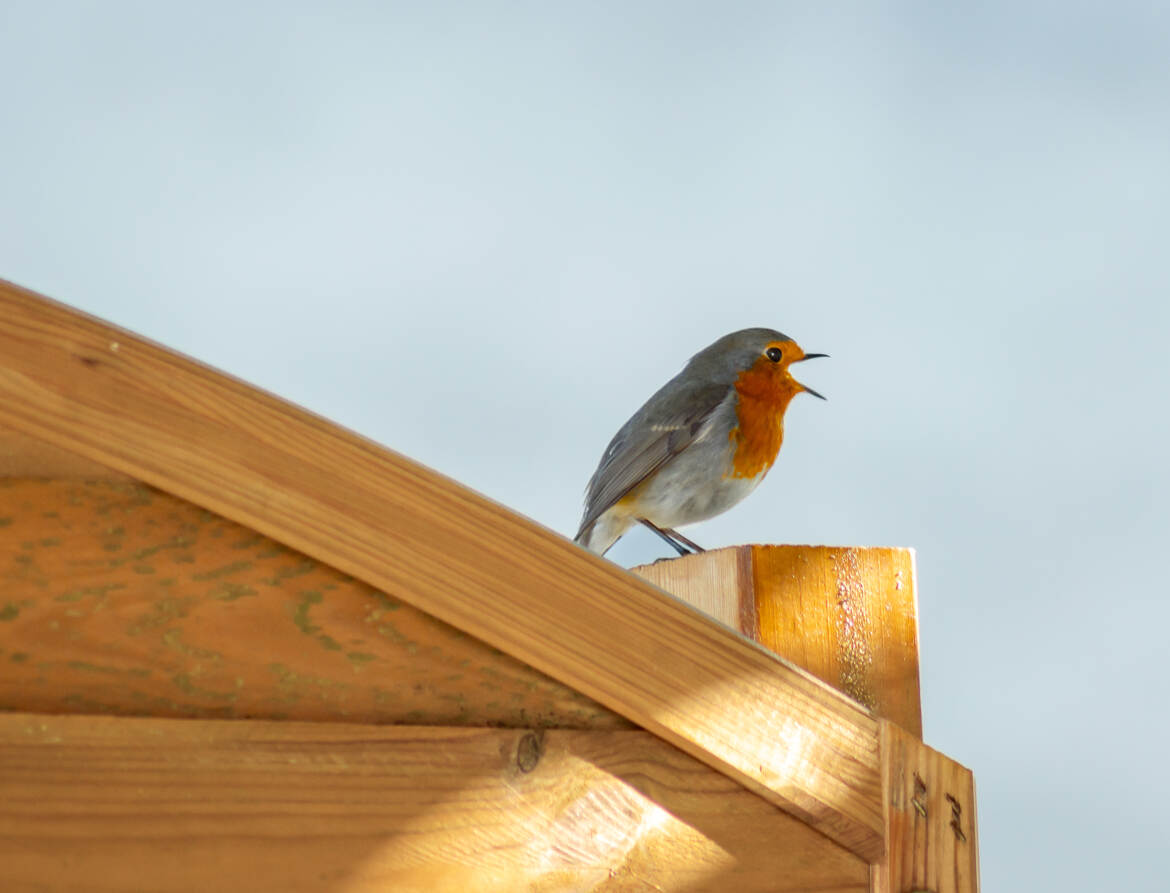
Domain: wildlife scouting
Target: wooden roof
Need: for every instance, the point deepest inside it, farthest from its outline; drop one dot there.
(78, 396)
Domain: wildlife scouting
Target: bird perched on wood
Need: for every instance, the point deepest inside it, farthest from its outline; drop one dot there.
(699, 445)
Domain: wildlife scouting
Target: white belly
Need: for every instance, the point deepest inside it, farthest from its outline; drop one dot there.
(694, 486)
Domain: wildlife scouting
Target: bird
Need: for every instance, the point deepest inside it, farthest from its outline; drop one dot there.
(699, 445)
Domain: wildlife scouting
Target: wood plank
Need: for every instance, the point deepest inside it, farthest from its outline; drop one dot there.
(932, 839)
(847, 615)
(107, 804)
(118, 598)
(117, 399)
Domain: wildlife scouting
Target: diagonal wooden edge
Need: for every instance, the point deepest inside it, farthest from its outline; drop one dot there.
(111, 396)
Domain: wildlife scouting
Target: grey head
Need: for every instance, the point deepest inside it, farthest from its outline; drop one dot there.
(723, 360)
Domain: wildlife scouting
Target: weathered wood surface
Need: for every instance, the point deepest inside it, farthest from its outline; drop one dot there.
(114, 398)
(118, 598)
(847, 615)
(107, 804)
(931, 835)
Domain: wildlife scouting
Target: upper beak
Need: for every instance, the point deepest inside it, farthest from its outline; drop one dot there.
(811, 356)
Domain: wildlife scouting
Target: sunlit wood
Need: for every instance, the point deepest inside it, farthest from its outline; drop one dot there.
(847, 615)
(195, 805)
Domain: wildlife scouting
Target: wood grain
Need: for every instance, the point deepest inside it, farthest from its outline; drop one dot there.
(847, 615)
(118, 598)
(117, 399)
(932, 837)
(106, 804)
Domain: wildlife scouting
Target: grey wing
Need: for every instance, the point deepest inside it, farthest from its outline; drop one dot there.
(657, 432)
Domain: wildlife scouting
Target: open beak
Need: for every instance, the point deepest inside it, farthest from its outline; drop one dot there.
(807, 389)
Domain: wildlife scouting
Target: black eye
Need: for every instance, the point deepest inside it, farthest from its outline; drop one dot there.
(774, 354)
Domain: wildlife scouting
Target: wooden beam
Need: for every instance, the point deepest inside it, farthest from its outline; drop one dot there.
(180, 805)
(931, 834)
(847, 615)
(122, 401)
(118, 598)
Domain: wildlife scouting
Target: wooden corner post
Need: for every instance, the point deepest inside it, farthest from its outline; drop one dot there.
(847, 615)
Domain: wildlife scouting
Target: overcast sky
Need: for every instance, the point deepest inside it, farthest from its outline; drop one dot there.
(482, 234)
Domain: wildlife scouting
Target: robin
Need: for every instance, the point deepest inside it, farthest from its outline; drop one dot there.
(699, 445)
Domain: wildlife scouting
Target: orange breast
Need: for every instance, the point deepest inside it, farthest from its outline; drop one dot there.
(765, 390)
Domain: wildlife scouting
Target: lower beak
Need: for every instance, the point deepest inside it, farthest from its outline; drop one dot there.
(809, 390)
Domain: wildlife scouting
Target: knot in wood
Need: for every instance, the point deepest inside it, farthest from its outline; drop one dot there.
(528, 751)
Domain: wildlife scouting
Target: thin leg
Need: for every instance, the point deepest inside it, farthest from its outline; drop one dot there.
(679, 547)
(691, 544)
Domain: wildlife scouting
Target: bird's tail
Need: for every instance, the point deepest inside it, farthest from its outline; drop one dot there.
(600, 534)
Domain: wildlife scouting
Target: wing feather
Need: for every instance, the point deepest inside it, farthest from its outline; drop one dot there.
(669, 421)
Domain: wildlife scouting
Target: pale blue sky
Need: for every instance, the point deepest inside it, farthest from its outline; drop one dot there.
(484, 233)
